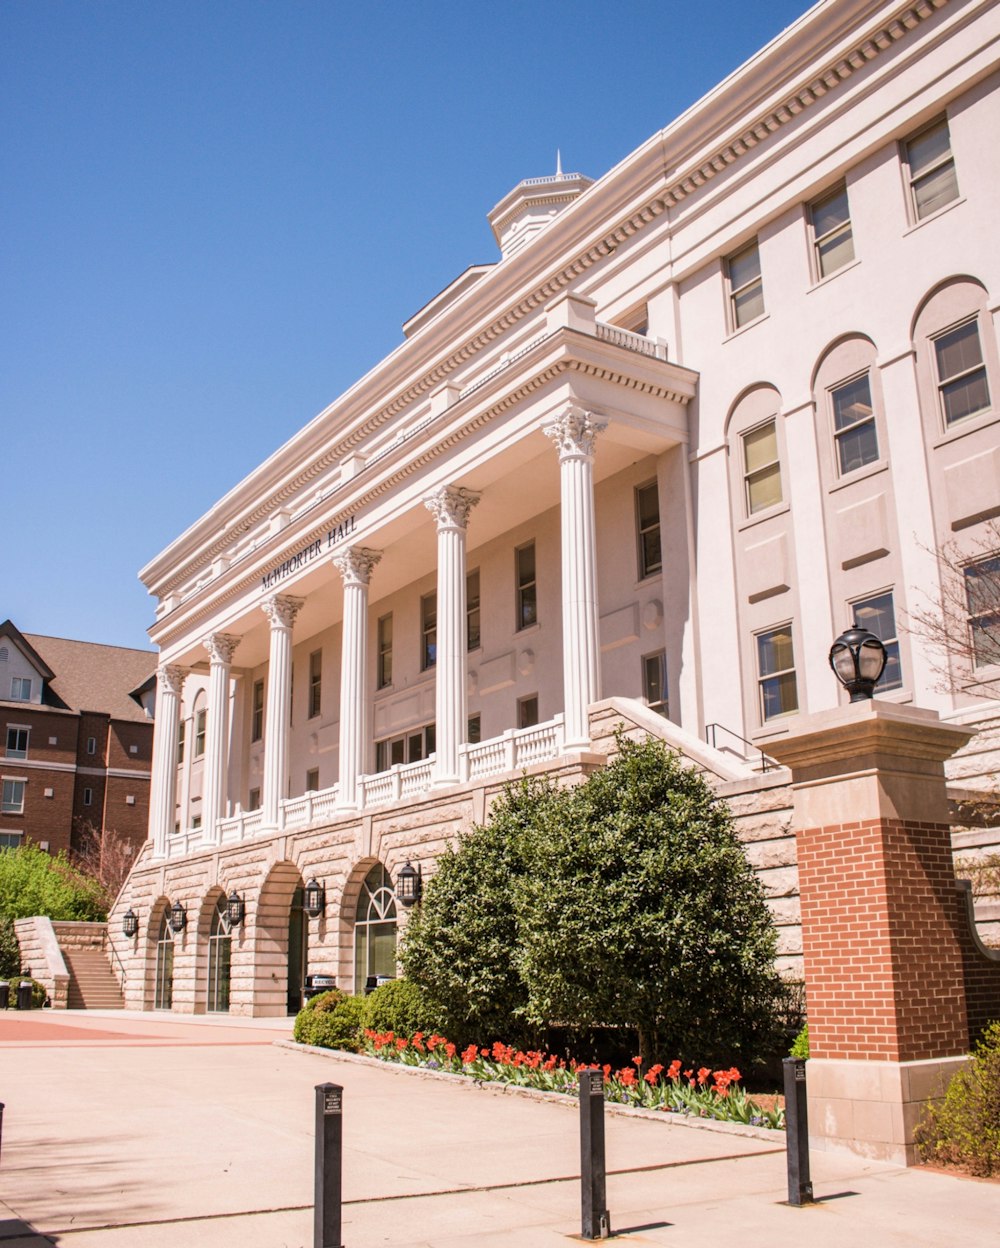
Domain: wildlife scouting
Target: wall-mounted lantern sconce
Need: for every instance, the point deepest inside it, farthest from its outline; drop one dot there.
(130, 923)
(409, 885)
(235, 909)
(858, 659)
(314, 899)
(178, 917)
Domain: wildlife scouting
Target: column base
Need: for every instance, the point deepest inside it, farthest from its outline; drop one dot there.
(870, 1109)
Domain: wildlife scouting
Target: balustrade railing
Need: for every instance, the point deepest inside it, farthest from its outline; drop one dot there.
(631, 341)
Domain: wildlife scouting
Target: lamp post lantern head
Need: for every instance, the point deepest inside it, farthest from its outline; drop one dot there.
(235, 909)
(858, 659)
(314, 899)
(409, 885)
(178, 917)
(130, 923)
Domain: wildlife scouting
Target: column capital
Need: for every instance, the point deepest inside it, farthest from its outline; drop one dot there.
(220, 647)
(281, 609)
(170, 679)
(355, 564)
(575, 432)
(450, 506)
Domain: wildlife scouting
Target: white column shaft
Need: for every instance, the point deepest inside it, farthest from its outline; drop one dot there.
(450, 692)
(220, 648)
(353, 692)
(163, 790)
(277, 710)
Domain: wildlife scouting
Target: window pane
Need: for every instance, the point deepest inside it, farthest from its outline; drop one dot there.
(764, 488)
(744, 267)
(779, 696)
(878, 615)
(959, 350)
(965, 397)
(857, 447)
(928, 148)
(982, 589)
(834, 252)
(748, 304)
(774, 651)
(937, 188)
(852, 403)
(529, 607)
(760, 447)
(830, 213)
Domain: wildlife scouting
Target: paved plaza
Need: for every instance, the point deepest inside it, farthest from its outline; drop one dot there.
(142, 1131)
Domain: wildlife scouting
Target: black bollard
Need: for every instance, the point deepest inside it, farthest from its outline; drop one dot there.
(596, 1221)
(329, 1165)
(4, 994)
(24, 995)
(1, 1125)
(800, 1191)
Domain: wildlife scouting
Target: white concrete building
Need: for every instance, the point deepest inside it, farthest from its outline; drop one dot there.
(703, 414)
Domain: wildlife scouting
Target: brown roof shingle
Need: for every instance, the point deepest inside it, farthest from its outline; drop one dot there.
(93, 677)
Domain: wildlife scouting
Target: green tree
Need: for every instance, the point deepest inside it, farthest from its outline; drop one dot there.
(33, 882)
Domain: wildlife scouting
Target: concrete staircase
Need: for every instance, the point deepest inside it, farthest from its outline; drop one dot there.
(92, 984)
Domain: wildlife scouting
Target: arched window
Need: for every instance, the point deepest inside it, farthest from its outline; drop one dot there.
(163, 997)
(219, 960)
(375, 929)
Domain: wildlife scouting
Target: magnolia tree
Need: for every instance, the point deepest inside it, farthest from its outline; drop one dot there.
(624, 902)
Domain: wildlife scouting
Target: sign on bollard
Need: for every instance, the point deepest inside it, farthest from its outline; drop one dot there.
(329, 1165)
(596, 1221)
(800, 1191)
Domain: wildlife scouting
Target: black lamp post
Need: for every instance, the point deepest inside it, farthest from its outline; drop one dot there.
(314, 899)
(178, 917)
(235, 909)
(130, 923)
(409, 885)
(858, 659)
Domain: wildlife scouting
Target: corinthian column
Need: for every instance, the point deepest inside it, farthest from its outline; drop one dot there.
(163, 790)
(355, 566)
(220, 647)
(450, 507)
(281, 610)
(574, 434)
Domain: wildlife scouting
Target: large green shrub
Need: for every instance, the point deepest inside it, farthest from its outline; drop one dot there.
(33, 882)
(964, 1128)
(626, 902)
(399, 1006)
(331, 1021)
(10, 950)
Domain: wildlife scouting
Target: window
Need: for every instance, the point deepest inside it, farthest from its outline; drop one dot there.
(474, 730)
(17, 742)
(647, 513)
(253, 801)
(527, 711)
(181, 735)
(654, 682)
(878, 615)
(982, 593)
(312, 780)
(746, 288)
(931, 170)
(257, 716)
(776, 673)
(410, 747)
(473, 638)
(428, 631)
(761, 468)
(199, 733)
(833, 238)
(91, 745)
(219, 960)
(20, 689)
(196, 823)
(384, 673)
(13, 797)
(88, 797)
(961, 372)
(315, 683)
(527, 598)
(854, 424)
(163, 992)
(375, 930)
(10, 840)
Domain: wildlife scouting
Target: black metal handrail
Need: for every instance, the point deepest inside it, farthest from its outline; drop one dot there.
(710, 737)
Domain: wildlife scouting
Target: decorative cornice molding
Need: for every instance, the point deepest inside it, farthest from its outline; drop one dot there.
(574, 433)
(221, 647)
(281, 610)
(450, 507)
(356, 564)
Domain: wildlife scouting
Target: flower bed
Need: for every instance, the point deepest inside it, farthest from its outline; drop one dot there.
(701, 1093)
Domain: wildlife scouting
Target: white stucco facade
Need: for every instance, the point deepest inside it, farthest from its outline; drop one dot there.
(704, 413)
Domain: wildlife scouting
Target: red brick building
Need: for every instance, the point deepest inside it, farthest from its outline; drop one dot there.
(76, 731)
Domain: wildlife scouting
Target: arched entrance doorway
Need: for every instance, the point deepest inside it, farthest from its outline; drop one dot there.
(298, 951)
(163, 982)
(280, 943)
(219, 959)
(375, 930)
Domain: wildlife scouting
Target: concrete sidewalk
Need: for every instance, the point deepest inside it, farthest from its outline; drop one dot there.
(150, 1130)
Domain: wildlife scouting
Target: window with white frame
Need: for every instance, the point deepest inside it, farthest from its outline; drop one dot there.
(13, 796)
(257, 712)
(473, 633)
(199, 732)
(527, 587)
(878, 615)
(647, 518)
(20, 688)
(776, 673)
(961, 372)
(761, 467)
(527, 711)
(931, 170)
(91, 745)
(11, 840)
(312, 780)
(315, 683)
(181, 735)
(833, 238)
(982, 594)
(17, 741)
(409, 747)
(854, 431)
(746, 286)
(654, 682)
(428, 631)
(384, 662)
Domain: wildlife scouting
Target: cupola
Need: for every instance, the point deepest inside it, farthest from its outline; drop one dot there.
(531, 205)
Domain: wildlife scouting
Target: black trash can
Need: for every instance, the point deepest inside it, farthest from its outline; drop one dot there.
(24, 995)
(315, 984)
(4, 994)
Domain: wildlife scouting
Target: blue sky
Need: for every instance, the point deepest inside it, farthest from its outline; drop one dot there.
(217, 215)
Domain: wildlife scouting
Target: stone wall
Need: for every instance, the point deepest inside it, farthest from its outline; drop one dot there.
(41, 956)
